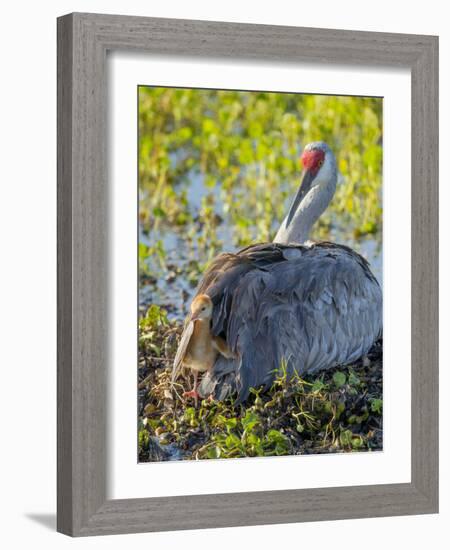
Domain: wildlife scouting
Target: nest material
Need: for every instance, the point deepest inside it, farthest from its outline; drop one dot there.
(336, 411)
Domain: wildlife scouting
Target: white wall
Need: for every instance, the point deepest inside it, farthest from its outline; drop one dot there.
(28, 265)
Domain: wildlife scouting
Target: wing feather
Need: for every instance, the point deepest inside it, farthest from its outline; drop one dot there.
(182, 348)
(311, 307)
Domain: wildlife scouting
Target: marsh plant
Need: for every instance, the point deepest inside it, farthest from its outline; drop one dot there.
(338, 411)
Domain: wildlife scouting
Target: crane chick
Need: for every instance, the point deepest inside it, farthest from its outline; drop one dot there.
(198, 347)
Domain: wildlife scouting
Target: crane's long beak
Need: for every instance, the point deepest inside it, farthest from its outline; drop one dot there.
(305, 186)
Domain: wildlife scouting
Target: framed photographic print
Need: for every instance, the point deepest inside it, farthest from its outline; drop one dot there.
(209, 180)
(247, 269)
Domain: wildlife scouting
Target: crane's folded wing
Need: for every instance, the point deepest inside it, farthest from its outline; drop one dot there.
(309, 308)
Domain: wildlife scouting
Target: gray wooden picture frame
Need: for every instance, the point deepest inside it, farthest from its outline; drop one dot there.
(83, 42)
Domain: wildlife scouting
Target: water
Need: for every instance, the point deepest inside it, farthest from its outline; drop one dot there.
(172, 286)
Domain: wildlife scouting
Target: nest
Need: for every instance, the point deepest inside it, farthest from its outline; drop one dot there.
(339, 410)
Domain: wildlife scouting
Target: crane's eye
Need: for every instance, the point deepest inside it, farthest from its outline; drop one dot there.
(203, 308)
(319, 164)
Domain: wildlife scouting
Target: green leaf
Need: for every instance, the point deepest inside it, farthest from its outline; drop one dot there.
(346, 437)
(376, 405)
(318, 386)
(232, 440)
(230, 423)
(158, 212)
(357, 442)
(143, 251)
(353, 380)
(250, 420)
(214, 452)
(276, 436)
(339, 379)
(253, 439)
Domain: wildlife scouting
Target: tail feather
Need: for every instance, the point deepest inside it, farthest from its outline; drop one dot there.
(220, 382)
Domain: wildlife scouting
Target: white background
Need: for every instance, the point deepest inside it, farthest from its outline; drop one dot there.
(130, 480)
(27, 287)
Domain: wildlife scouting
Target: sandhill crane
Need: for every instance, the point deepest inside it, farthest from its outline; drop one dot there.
(311, 306)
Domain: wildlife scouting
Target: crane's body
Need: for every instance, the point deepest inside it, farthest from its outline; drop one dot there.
(307, 307)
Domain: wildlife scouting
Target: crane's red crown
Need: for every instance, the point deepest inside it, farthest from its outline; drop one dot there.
(312, 159)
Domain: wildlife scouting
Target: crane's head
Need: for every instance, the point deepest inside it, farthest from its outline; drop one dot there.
(313, 156)
(319, 173)
(201, 308)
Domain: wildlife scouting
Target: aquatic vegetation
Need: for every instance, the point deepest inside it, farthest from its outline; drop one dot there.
(337, 411)
(245, 146)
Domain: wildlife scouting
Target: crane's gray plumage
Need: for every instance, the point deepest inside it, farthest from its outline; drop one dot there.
(284, 303)
(307, 307)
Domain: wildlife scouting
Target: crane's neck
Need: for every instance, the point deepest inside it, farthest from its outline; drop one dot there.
(297, 225)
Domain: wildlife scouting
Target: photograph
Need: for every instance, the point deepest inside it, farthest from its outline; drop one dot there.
(232, 334)
(260, 265)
